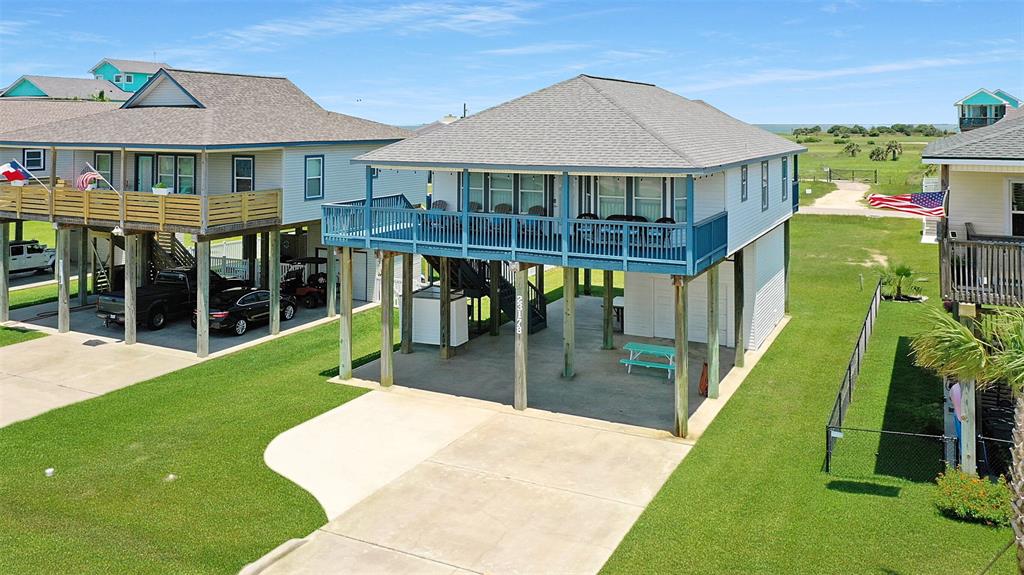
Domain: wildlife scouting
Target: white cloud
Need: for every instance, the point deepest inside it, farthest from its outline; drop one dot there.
(536, 49)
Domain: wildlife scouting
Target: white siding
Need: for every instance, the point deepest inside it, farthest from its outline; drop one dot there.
(446, 189)
(764, 293)
(980, 198)
(70, 163)
(746, 220)
(648, 309)
(163, 93)
(8, 154)
(708, 195)
(342, 180)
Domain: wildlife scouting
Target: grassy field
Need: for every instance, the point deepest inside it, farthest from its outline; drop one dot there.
(42, 294)
(817, 189)
(752, 498)
(11, 335)
(899, 177)
(110, 508)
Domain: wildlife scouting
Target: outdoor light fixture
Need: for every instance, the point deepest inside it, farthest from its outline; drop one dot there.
(117, 231)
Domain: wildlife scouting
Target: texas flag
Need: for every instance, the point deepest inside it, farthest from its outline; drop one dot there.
(12, 172)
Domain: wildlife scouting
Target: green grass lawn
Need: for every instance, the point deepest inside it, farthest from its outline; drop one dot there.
(42, 231)
(109, 507)
(751, 497)
(42, 294)
(899, 177)
(12, 335)
(817, 189)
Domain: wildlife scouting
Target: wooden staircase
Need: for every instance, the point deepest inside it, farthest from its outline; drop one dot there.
(473, 278)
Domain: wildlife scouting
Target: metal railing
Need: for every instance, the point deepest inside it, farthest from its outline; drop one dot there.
(518, 234)
(982, 271)
(971, 123)
(853, 175)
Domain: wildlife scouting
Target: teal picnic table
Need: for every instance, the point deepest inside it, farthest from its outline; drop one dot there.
(646, 354)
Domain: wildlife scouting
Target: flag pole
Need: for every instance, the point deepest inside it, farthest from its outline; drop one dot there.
(120, 196)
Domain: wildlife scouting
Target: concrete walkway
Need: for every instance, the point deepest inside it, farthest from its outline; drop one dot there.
(420, 482)
(42, 374)
(849, 200)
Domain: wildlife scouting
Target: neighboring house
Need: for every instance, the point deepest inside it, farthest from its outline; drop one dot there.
(984, 108)
(598, 174)
(59, 88)
(213, 155)
(128, 75)
(983, 244)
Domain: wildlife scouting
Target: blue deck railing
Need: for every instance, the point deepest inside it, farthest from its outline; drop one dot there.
(600, 244)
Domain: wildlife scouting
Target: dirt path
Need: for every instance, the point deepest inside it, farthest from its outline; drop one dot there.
(847, 201)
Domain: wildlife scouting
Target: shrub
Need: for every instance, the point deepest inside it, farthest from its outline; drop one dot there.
(811, 139)
(963, 496)
(871, 142)
(838, 141)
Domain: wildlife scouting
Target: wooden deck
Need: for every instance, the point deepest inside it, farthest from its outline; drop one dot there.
(988, 271)
(142, 210)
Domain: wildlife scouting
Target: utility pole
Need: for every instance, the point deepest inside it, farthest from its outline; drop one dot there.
(464, 109)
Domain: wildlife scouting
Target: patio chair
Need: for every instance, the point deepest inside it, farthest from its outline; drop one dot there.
(660, 236)
(440, 226)
(533, 232)
(503, 209)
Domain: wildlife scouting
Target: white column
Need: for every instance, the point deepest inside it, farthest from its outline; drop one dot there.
(63, 280)
(387, 307)
(131, 318)
(681, 381)
(203, 298)
(568, 324)
(5, 269)
(275, 281)
(713, 339)
(345, 328)
(522, 331)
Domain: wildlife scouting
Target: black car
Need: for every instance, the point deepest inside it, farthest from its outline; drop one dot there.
(237, 308)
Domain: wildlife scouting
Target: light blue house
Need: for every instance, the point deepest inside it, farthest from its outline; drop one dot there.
(984, 108)
(128, 75)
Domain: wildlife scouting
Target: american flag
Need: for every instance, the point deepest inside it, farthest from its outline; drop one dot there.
(922, 203)
(86, 179)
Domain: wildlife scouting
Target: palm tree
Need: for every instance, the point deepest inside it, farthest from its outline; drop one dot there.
(852, 149)
(877, 154)
(991, 355)
(894, 149)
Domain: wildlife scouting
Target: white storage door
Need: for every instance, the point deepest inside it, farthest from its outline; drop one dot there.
(359, 275)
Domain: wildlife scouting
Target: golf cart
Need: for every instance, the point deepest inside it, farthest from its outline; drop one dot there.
(305, 281)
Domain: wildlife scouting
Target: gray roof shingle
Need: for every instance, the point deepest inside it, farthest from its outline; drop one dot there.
(138, 66)
(70, 88)
(1003, 140)
(238, 110)
(17, 113)
(590, 122)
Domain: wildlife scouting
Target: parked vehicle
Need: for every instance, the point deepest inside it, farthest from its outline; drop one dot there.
(171, 295)
(32, 256)
(305, 282)
(235, 310)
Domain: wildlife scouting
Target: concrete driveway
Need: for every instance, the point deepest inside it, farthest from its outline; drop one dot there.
(419, 482)
(42, 374)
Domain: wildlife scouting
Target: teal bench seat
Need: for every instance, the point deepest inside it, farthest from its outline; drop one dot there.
(638, 350)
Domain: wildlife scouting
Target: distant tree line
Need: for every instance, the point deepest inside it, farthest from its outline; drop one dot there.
(875, 131)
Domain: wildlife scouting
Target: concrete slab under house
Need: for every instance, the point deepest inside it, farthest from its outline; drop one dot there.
(189, 161)
(594, 174)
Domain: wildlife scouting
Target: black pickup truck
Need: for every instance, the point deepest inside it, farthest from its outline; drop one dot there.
(171, 295)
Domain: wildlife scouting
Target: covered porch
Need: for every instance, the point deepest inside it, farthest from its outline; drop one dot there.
(600, 389)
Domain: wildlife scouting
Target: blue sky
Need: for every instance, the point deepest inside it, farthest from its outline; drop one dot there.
(412, 62)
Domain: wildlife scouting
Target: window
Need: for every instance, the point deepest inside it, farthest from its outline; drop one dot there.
(118, 78)
(743, 183)
(33, 249)
(679, 200)
(647, 198)
(764, 186)
(103, 161)
(33, 159)
(476, 191)
(785, 176)
(501, 192)
(128, 79)
(1017, 208)
(249, 299)
(165, 171)
(314, 177)
(531, 194)
(611, 196)
(186, 175)
(242, 171)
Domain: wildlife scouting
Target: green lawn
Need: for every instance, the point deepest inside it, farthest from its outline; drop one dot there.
(42, 231)
(12, 335)
(817, 189)
(42, 294)
(899, 177)
(751, 496)
(109, 507)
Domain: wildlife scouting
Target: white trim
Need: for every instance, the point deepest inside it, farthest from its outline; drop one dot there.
(42, 159)
(969, 162)
(1009, 204)
(978, 91)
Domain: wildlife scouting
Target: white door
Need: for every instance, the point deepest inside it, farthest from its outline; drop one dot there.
(359, 276)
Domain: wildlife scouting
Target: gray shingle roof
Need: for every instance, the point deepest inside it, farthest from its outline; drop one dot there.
(589, 122)
(69, 88)
(139, 66)
(18, 113)
(237, 110)
(1003, 140)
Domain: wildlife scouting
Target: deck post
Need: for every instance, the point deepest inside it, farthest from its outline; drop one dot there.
(785, 251)
(19, 231)
(568, 328)
(407, 275)
(332, 282)
(367, 204)
(713, 339)
(522, 327)
(539, 276)
(83, 267)
(739, 342)
(968, 405)
(464, 208)
(5, 270)
(110, 262)
(564, 212)
(345, 325)
(274, 257)
(64, 279)
(446, 311)
(203, 298)
(682, 375)
(494, 269)
(249, 254)
(588, 282)
(131, 282)
(387, 307)
(690, 260)
(264, 260)
(608, 339)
